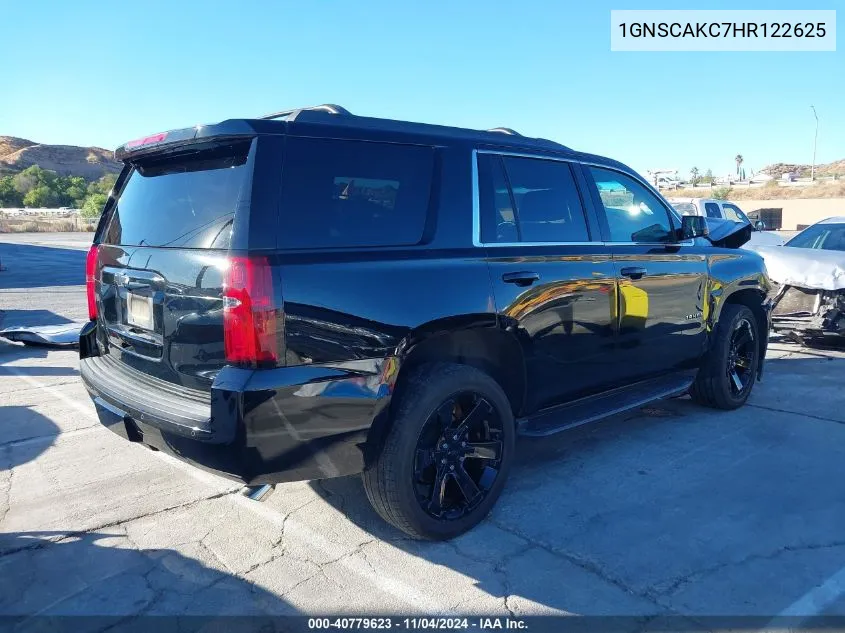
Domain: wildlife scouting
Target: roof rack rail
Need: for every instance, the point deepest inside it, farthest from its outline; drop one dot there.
(326, 107)
(505, 130)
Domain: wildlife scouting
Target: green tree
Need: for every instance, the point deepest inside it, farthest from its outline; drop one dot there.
(739, 160)
(708, 176)
(74, 190)
(41, 196)
(694, 176)
(9, 196)
(93, 205)
(103, 185)
(28, 179)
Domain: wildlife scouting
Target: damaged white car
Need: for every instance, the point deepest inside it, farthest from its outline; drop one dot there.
(808, 275)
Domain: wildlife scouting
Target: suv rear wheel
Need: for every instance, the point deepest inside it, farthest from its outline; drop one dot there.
(447, 454)
(727, 377)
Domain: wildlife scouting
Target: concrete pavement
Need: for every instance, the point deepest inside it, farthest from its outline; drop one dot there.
(674, 510)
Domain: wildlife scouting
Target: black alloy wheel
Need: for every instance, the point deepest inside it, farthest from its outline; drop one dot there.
(458, 456)
(446, 457)
(730, 367)
(741, 355)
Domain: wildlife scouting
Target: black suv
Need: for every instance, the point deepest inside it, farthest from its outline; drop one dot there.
(315, 294)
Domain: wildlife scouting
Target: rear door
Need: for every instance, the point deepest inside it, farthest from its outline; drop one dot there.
(554, 282)
(662, 282)
(163, 259)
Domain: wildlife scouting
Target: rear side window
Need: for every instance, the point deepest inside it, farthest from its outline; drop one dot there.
(712, 210)
(529, 200)
(338, 193)
(185, 200)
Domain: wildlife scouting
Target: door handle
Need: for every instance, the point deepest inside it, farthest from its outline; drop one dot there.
(521, 278)
(634, 272)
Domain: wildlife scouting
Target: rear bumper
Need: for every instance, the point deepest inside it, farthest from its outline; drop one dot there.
(256, 426)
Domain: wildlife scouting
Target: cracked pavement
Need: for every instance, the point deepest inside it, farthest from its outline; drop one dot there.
(672, 510)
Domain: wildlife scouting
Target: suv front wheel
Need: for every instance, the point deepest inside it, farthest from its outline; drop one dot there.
(728, 374)
(447, 455)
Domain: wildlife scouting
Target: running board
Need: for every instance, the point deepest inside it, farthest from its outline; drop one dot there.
(592, 408)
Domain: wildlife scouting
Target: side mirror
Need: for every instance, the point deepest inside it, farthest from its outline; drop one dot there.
(760, 225)
(693, 226)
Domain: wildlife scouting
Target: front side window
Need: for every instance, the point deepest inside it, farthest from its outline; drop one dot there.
(734, 213)
(529, 200)
(339, 193)
(634, 214)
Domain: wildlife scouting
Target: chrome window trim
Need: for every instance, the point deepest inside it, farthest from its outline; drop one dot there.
(476, 205)
(476, 202)
(512, 244)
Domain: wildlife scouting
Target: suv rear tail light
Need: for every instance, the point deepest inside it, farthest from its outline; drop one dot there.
(91, 280)
(249, 312)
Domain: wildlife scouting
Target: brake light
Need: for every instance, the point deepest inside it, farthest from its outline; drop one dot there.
(91, 280)
(249, 312)
(147, 140)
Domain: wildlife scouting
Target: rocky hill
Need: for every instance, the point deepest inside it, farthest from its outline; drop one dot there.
(16, 154)
(836, 168)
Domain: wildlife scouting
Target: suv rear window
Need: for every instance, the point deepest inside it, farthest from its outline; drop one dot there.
(186, 200)
(339, 193)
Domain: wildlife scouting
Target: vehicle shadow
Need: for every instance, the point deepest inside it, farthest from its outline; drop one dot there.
(101, 575)
(27, 431)
(30, 266)
(30, 318)
(690, 510)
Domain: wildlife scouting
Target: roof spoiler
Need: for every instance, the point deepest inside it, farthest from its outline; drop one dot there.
(232, 128)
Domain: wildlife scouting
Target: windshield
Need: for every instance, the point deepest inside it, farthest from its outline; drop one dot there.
(827, 237)
(685, 208)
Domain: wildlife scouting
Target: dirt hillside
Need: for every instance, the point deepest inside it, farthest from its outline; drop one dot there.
(16, 154)
(836, 168)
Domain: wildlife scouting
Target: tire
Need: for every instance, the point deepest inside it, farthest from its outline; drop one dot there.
(714, 386)
(393, 481)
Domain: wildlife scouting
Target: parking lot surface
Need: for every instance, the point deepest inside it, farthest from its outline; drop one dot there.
(671, 510)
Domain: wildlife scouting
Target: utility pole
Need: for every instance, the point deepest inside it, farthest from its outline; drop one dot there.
(815, 141)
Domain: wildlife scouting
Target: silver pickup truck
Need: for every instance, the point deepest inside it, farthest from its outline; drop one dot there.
(725, 210)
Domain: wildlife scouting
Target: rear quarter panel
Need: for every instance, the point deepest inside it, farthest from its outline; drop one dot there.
(350, 317)
(342, 307)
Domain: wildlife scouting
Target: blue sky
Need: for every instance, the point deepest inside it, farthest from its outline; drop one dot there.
(80, 73)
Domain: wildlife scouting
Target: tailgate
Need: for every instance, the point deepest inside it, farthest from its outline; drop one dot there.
(162, 260)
